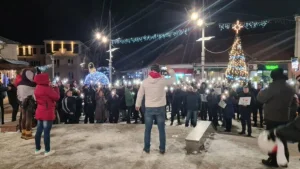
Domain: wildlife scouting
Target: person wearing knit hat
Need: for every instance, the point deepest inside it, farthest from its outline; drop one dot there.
(153, 88)
(277, 100)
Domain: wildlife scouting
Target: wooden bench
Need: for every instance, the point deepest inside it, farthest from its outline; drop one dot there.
(9, 127)
(198, 136)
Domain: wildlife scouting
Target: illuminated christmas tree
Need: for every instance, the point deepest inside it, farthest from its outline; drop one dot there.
(237, 68)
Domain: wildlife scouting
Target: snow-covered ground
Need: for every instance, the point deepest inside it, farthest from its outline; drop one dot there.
(119, 146)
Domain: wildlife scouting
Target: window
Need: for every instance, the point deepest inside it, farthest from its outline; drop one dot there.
(71, 75)
(34, 51)
(70, 61)
(68, 47)
(56, 62)
(26, 51)
(48, 46)
(42, 50)
(21, 52)
(76, 48)
(56, 47)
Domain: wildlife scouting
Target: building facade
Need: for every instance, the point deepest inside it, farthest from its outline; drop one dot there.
(8, 53)
(67, 56)
(33, 54)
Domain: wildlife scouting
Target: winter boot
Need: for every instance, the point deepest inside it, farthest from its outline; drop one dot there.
(28, 135)
(23, 134)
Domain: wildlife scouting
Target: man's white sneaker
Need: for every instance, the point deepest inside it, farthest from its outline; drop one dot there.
(37, 152)
(49, 153)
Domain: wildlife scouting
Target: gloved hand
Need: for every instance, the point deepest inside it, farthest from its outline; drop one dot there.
(271, 135)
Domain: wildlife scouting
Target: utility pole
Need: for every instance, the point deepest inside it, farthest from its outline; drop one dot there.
(110, 51)
(203, 45)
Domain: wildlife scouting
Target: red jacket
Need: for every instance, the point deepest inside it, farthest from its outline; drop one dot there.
(18, 80)
(46, 98)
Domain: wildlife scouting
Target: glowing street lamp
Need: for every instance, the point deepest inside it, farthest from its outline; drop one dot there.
(98, 35)
(104, 39)
(200, 22)
(194, 16)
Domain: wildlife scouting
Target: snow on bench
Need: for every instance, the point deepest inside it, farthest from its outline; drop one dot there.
(198, 136)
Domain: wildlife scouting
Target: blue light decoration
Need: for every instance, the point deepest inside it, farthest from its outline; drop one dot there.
(95, 77)
(246, 25)
(104, 70)
(146, 38)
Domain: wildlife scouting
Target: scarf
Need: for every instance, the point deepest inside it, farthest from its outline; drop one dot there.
(154, 75)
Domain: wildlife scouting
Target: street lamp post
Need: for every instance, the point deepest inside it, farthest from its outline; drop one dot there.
(104, 40)
(200, 22)
(110, 51)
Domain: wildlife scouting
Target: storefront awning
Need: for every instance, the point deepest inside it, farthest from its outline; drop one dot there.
(12, 64)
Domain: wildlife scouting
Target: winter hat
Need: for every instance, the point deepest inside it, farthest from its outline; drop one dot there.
(155, 68)
(277, 74)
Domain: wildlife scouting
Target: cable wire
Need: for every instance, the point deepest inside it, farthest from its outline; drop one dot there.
(218, 52)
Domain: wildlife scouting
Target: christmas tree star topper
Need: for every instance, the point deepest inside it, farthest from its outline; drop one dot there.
(237, 27)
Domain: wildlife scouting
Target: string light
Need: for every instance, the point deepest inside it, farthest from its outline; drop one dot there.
(146, 38)
(246, 25)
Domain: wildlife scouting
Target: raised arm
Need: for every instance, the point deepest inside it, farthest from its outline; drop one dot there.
(172, 80)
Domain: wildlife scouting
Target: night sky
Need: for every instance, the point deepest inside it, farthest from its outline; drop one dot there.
(32, 21)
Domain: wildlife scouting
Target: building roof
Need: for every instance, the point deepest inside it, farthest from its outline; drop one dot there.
(8, 41)
(257, 47)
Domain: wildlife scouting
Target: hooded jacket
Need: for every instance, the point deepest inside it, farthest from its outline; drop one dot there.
(46, 98)
(26, 86)
(154, 90)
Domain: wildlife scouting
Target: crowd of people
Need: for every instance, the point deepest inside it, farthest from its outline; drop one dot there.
(43, 103)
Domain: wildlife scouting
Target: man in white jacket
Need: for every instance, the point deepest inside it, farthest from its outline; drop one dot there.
(155, 101)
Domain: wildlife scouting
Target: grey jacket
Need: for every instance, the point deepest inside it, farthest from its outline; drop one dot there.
(277, 99)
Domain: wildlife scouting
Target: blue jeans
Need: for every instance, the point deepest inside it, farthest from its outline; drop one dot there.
(150, 114)
(191, 115)
(43, 126)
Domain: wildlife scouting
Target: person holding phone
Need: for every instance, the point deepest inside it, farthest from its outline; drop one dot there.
(113, 107)
(153, 88)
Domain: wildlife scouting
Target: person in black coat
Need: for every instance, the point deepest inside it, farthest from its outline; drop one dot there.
(113, 107)
(204, 107)
(176, 105)
(69, 108)
(228, 111)
(13, 100)
(245, 111)
(89, 104)
(59, 103)
(258, 108)
(192, 101)
(2, 96)
(212, 102)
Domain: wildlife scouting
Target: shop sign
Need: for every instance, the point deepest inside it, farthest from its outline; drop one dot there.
(271, 67)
